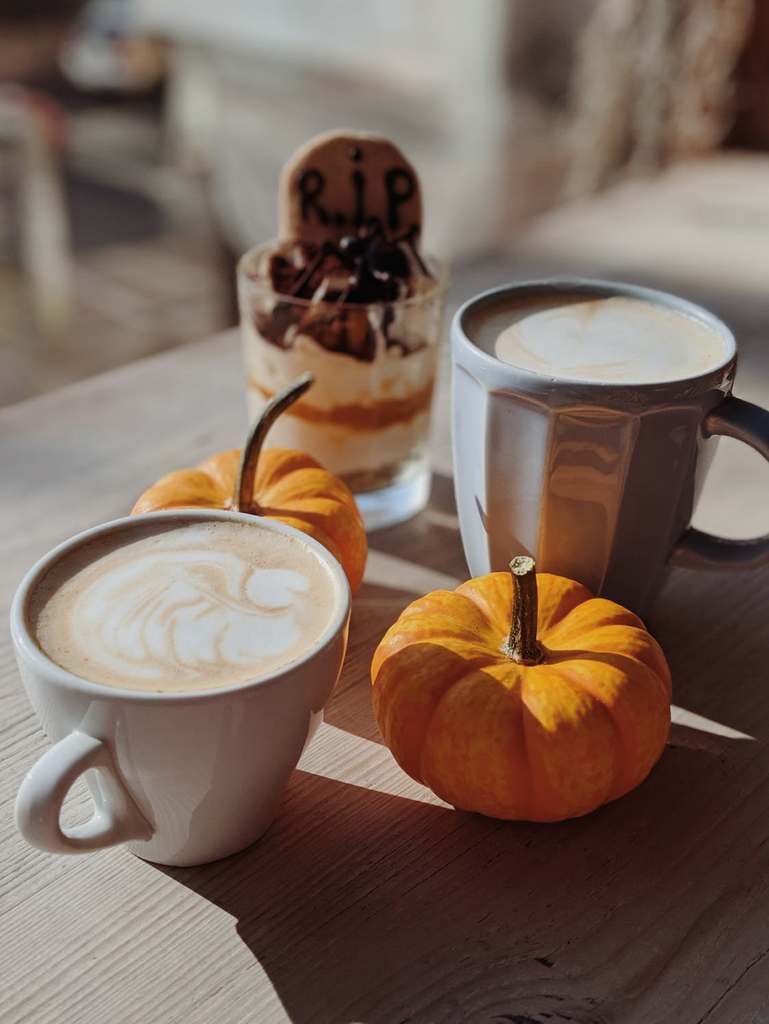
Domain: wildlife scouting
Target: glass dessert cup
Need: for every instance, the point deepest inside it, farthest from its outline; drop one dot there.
(367, 416)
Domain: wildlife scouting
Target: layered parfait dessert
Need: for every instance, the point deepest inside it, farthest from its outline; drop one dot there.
(345, 293)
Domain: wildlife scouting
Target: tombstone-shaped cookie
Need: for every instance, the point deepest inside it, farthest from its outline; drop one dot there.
(342, 181)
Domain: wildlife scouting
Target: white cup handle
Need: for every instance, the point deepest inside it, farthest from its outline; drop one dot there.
(116, 817)
(696, 550)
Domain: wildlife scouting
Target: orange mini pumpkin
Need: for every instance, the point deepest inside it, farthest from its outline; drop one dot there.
(543, 718)
(288, 486)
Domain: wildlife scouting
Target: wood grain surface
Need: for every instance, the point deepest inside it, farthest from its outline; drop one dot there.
(369, 901)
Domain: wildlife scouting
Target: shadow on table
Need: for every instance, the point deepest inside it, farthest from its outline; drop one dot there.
(423, 542)
(718, 667)
(375, 608)
(431, 539)
(366, 907)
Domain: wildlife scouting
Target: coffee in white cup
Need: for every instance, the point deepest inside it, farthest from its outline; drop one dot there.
(613, 339)
(180, 662)
(196, 607)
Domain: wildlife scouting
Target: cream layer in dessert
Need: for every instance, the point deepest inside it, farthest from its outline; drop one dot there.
(359, 417)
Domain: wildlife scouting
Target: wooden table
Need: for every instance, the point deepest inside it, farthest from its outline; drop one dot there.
(369, 901)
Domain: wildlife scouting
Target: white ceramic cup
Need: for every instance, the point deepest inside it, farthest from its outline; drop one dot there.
(595, 480)
(179, 778)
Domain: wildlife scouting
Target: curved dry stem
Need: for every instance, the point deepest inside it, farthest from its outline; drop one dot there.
(243, 493)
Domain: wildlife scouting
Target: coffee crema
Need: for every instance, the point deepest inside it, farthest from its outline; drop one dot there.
(183, 607)
(617, 339)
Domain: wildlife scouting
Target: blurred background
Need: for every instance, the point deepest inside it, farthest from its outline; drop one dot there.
(141, 143)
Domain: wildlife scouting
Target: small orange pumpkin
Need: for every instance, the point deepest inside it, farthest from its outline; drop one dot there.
(288, 486)
(543, 718)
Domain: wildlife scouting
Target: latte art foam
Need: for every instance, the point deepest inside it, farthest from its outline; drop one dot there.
(201, 606)
(615, 339)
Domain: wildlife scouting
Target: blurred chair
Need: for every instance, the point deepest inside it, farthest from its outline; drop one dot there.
(31, 134)
(31, 137)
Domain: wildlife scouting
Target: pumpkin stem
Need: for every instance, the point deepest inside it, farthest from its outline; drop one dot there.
(521, 646)
(243, 494)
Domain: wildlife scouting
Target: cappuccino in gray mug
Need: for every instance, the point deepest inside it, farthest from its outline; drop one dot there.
(584, 419)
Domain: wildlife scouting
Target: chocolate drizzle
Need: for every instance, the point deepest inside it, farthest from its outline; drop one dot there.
(365, 269)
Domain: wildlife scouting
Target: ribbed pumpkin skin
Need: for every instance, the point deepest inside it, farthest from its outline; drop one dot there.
(532, 743)
(290, 487)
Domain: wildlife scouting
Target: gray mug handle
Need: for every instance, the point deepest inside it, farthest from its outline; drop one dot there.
(697, 550)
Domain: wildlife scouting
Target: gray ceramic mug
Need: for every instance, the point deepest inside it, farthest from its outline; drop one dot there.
(596, 480)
